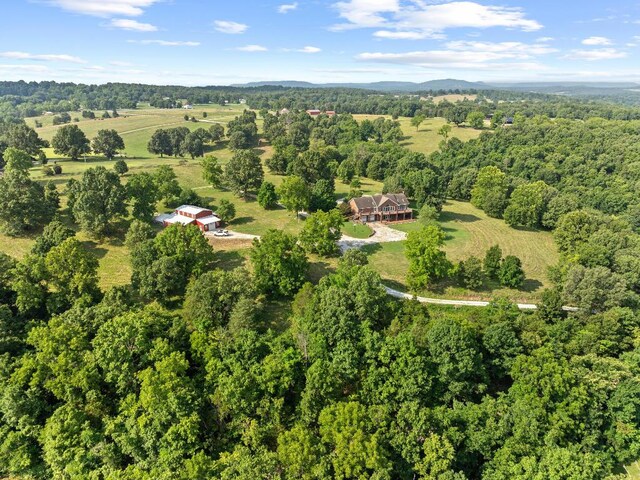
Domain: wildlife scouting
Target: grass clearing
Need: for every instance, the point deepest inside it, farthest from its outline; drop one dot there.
(356, 230)
(470, 232)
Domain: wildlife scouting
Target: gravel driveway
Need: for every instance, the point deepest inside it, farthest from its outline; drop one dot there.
(381, 234)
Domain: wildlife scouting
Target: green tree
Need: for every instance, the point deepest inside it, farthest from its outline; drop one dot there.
(211, 298)
(120, 167)
(138, 233)
(73, 272)
(143, 194)
(226, 210)
(244, 172)
(444, 132)
(279, 263)
(492, 261)
(70, 141)
(108, 143)
(267, 197)
(53, 234)
(282, 157)
(427, 263)
(470, 273)
(24, 204)
(455, 350)
(475, 119)
(211, 171)
(490, 191)
(511, 274)
(301, 453)
(193, 145)
(216, 132)
(22, 137)
(99, 199)
(358, 450)
(294, 194)
(321, 233)
(167, 183)
(322, 196)
(160, 143)
(428, 215)
(417, 121)
(528, 204)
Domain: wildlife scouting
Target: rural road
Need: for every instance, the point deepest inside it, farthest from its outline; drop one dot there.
(461, 303)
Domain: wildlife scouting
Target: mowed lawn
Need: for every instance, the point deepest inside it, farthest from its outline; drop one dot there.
(426, 139)
(470, 232)
(137, 126)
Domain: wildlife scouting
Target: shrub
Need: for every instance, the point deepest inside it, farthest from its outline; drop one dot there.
(511, 274)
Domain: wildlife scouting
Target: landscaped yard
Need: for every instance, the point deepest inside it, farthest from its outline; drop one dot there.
(356, 230)
(470, 232)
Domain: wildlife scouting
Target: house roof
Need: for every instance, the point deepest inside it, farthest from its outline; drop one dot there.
(208, 220)
(176, 218)
(373, 201)
(191, 209)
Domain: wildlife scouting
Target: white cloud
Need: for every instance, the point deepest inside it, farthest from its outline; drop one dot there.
(105, 8)
(468, 54)
(465, 60)
(287, 7)
(309, 49)
(120, 63)
(421, 20)
(596, 54)
(24, 68)
(506, 49)
(597, 41)
(128, 24)
(545, 39)
(365, 13)
(394, 35)
(45, 57)
(226, 26)
(252, 48)
(166, 43)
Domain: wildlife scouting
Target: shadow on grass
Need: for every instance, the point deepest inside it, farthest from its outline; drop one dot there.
(531, 285)
(458, 217)
(317, 270)
(371, 248)
(241, 220)
(96, 251)
(229, 259)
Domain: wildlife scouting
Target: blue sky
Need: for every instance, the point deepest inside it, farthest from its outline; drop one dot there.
(215, 42)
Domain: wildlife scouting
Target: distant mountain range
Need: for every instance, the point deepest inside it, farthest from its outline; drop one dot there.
(445, 84)
(453, 84)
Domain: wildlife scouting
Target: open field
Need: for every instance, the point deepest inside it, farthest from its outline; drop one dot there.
(426, 139)
(453, 97)
(470, 233)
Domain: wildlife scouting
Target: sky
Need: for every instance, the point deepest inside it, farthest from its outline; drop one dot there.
(216, 42)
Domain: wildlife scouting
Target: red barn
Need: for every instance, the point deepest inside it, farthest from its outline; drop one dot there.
(203, 218)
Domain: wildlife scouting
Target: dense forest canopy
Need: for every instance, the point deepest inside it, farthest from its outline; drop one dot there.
(26, 99)
(195, 372)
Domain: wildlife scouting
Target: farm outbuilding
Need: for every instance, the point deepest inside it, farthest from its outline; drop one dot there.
(203, 218)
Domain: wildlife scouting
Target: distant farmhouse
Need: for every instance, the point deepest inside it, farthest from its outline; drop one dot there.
(390, 207)
(203, 218)
(315, 113)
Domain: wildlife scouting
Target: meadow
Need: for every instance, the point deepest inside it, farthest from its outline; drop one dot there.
(469, 231)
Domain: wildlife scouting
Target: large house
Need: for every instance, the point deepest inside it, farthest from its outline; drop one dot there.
(203, 218)
(390, 207)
